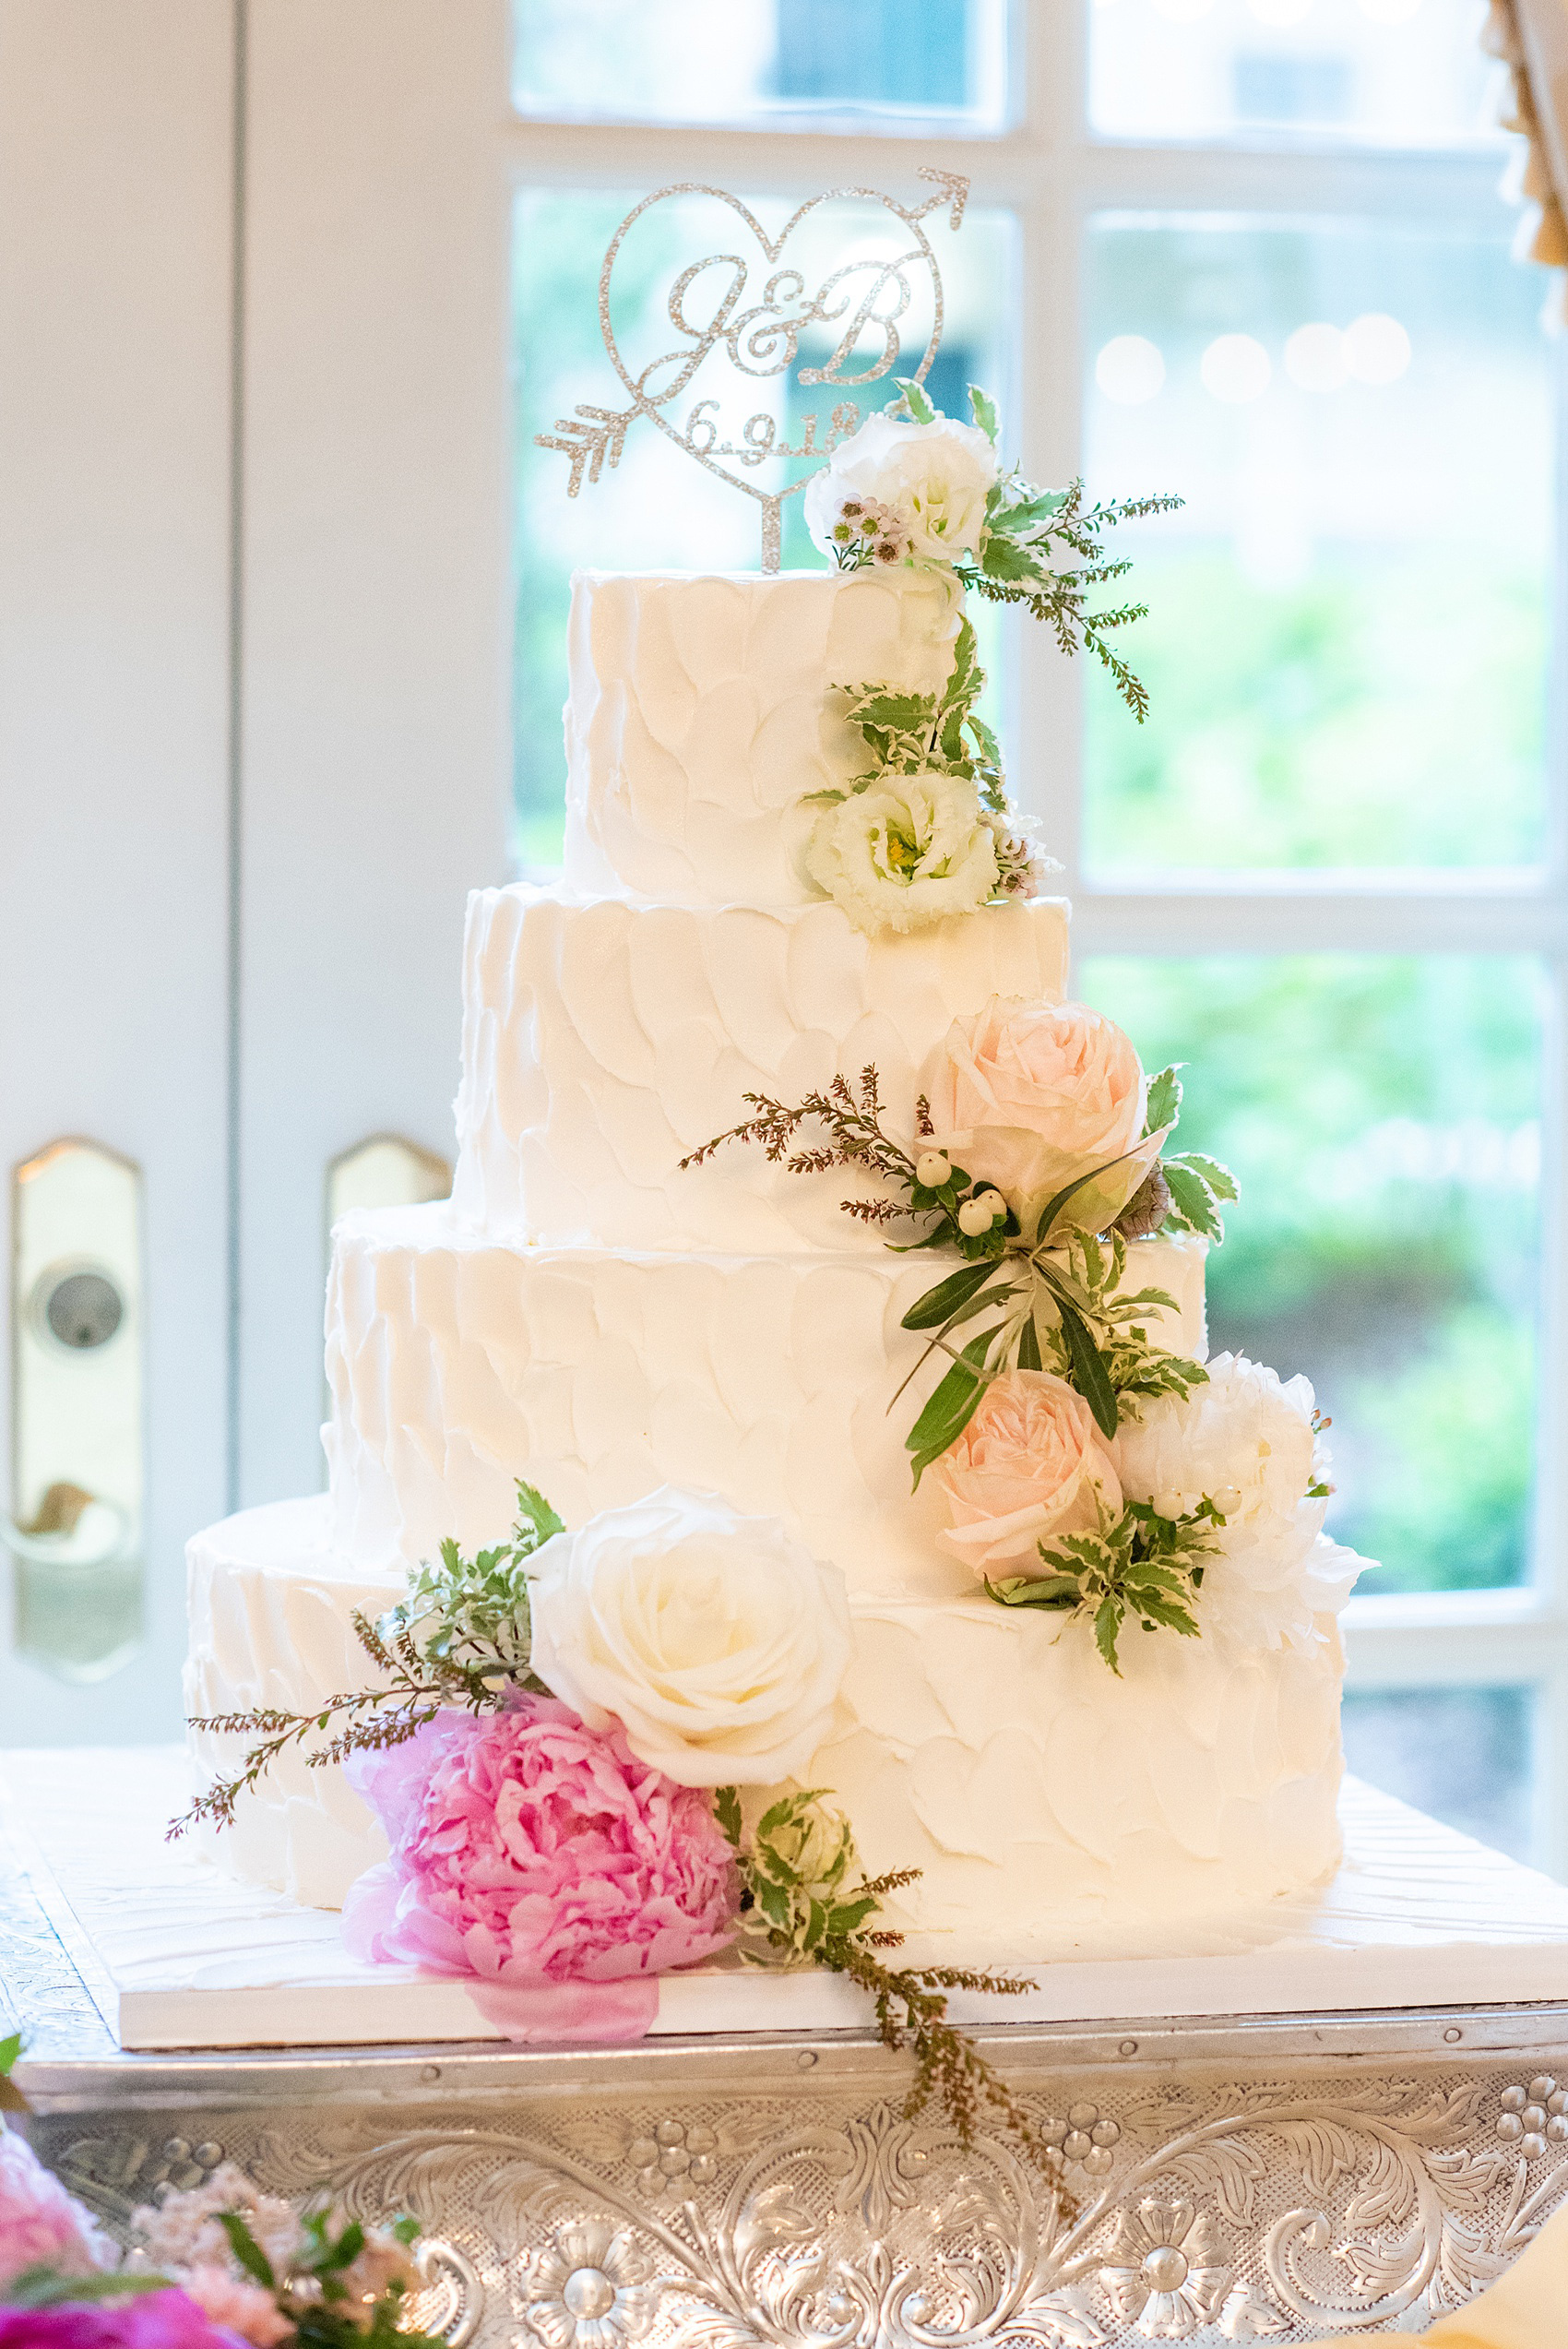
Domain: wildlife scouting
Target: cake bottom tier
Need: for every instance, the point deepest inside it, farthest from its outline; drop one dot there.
(1053, 1809)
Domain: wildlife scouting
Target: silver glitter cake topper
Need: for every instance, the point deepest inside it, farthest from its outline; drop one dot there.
(861, 300)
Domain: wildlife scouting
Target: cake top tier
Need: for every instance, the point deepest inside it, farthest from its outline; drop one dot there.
(701, 717)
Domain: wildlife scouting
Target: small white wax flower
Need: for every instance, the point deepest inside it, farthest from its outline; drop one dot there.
(933, 1168)
(977, 1215)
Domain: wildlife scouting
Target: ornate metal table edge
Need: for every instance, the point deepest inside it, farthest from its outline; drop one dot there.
(1286, 2179)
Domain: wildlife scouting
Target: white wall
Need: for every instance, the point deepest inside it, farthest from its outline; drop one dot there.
(376, 622)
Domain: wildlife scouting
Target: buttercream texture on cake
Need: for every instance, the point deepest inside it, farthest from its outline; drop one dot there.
(605, 1041)
(608, 1372)
(1053, 1810)
(700, 719)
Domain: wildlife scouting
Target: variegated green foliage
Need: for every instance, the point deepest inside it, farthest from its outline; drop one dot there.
(916, 733)
(1145, 1568)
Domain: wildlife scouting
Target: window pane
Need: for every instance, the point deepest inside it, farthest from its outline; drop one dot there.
(1346, 638)
(1463, 1754)
(1385, 69)
(770, 61)
(1382, 1117)
(659, 507)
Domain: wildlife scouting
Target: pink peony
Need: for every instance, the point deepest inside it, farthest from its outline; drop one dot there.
(1030, 1096)
(144, 2321)
(1031, 1463)
(41, 2224)
(544, 1860)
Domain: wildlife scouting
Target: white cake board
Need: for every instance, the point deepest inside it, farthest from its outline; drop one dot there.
(176, 1954)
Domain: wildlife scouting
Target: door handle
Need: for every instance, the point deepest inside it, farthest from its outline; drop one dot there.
(74, 1531)
(73, 1528)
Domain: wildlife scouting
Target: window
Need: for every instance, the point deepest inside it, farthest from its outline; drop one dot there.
(1252, 250)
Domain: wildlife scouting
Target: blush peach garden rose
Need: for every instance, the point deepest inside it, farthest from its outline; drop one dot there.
(1028, 1097)
(1031, 1463)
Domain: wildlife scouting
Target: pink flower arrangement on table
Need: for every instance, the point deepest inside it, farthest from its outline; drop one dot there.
(41, 2224)
(220, 2266)
(546, 1863)
(167, 2319)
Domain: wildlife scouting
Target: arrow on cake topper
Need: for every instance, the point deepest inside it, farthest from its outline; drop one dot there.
(861, 302)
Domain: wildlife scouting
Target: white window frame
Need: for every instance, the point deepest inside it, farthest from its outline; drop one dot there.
(1053, 175)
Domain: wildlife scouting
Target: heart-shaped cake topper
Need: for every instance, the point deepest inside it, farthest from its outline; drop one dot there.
(766, 308)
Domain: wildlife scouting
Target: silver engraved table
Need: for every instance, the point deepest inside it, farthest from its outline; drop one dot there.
(1268, 2176)
(1281, 2179)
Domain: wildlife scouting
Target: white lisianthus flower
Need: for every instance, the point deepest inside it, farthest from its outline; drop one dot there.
(908, 850)
(933, 479)
(1243, 1441)
(715, 1639)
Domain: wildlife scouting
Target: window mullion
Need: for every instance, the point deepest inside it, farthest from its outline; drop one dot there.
(1046, 431)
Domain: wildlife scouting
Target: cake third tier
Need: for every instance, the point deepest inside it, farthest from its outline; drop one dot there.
(458, 1364)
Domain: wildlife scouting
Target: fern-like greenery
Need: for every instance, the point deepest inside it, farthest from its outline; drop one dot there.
(804, 1899)
(459, 1638)
(1027, 533)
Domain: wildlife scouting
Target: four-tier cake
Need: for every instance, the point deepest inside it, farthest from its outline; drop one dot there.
(596, 1313)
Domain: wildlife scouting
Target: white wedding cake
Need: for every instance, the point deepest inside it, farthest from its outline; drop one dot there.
(595, 1316)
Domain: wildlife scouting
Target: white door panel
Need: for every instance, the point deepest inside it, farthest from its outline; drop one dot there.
(115, 178)
(371, 619)
(375, 624)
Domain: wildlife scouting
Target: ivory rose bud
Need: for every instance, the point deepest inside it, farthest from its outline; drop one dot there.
(1031, 1463)
(1030, 1096)
(935, 478)
(715, 1639)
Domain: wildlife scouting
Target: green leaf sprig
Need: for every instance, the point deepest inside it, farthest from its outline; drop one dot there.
(805, 1900)
(1049, 1299)
(1026, 532)
(914, 733)
(1145, 1568)
(460, 1637)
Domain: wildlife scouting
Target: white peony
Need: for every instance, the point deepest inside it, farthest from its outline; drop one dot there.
(908, 850)
(931, 479)
(1276, 1584)
(715, 1639)
(1244, 1441)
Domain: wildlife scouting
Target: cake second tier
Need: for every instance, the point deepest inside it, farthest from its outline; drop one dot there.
(457, 1365)
(605, 1038)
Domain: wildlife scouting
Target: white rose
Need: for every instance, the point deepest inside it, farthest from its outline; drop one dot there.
(934, 479)
(1243, 1440)
(715, 1639)
(908, 850)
